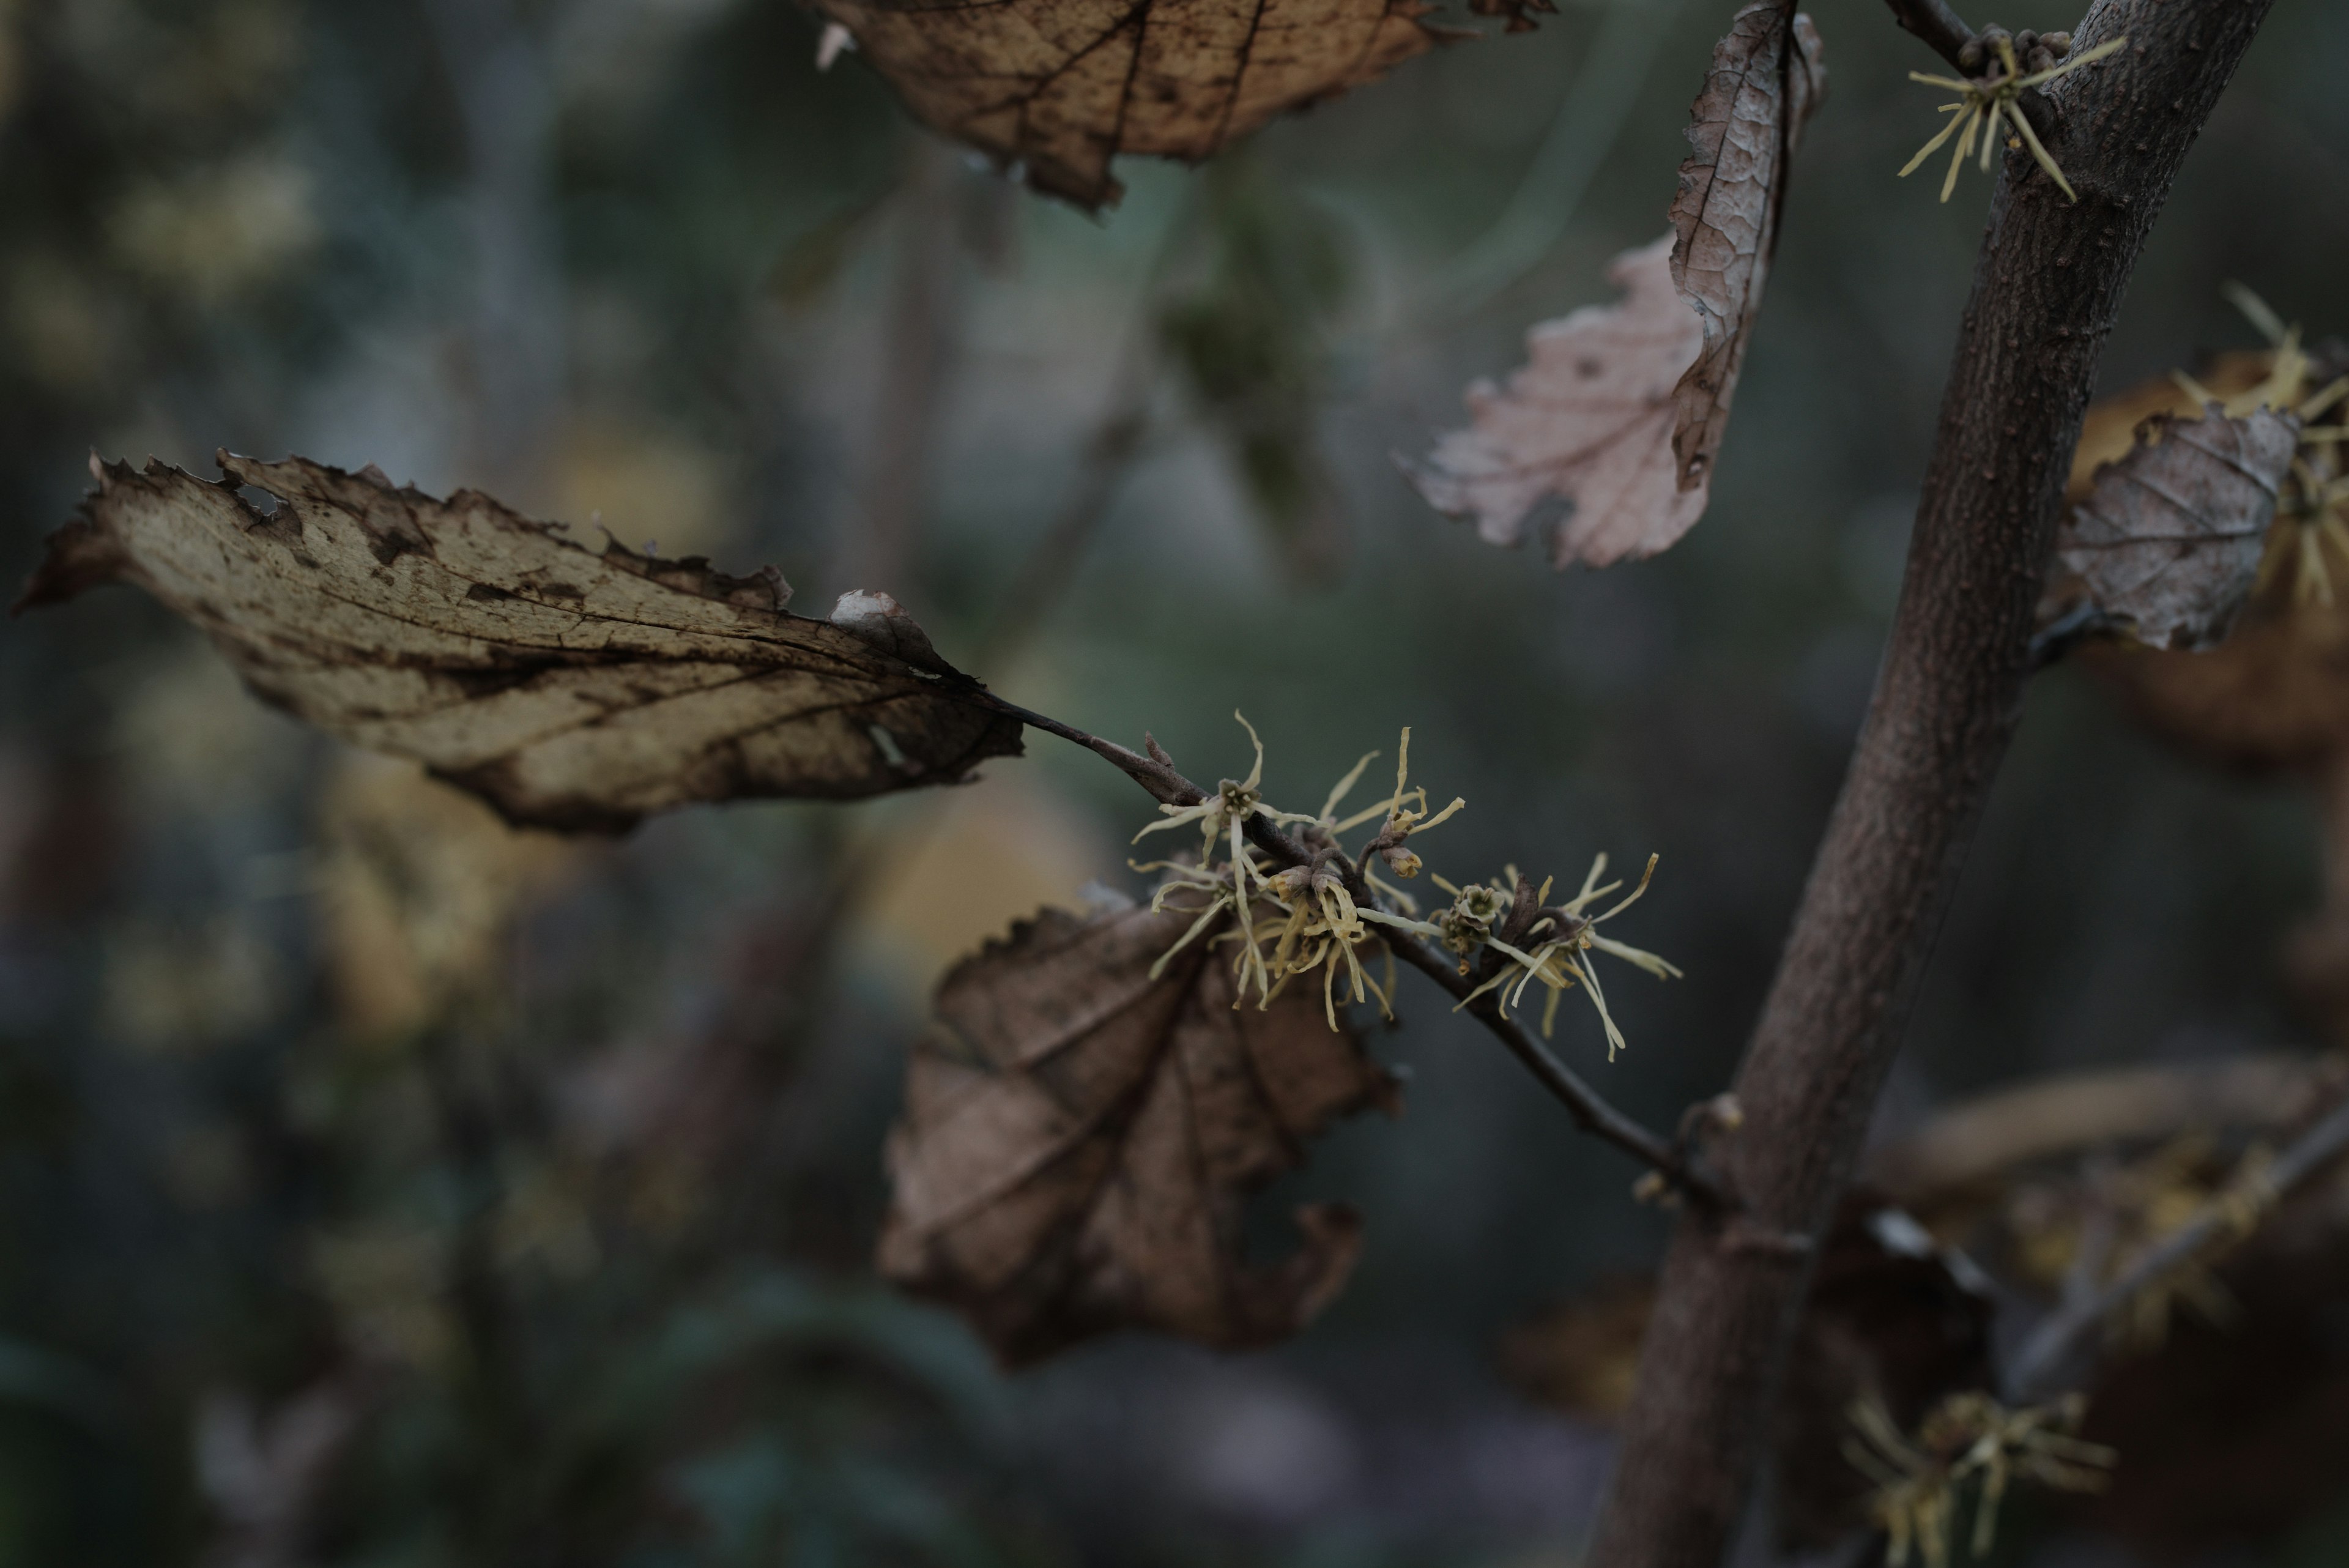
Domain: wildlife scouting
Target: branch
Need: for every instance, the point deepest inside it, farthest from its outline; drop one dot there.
(1591, 1112)
(1980, 1138)
(2052, 1352)
(2047, 288)
(1938, 26)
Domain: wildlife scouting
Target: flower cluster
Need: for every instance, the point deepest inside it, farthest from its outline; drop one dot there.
(1320, 914)
(1540, 942)
(2097, 1227)
(1968, 1440)
(1997, 96)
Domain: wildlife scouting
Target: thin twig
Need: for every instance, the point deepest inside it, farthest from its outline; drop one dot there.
(2054, 1349)
(1109, 457)
(1591, 1112)
(1941, 28)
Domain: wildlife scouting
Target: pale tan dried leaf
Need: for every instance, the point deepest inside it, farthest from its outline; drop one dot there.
(1621, 411)
(1058, 88)
(1078, 1139)
(2169, 538)
(569, 689)
(1767, 81)
(1589, 420)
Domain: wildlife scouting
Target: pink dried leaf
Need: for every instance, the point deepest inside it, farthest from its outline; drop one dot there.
(1621, 409)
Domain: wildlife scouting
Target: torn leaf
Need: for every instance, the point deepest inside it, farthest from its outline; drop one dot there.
(2169, 538)
(1078, 1139)
(569, 689)
(1620, 410)
(1058, 88)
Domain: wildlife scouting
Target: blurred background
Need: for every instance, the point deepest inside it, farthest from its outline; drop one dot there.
(382, 1187)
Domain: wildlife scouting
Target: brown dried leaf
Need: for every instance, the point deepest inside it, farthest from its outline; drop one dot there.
(1767, 81)
(1061, 87)
(568, 688)
(1620, 410)
(1078, 1139)
(2169, 538)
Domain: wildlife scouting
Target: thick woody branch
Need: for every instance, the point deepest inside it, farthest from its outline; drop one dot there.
(2057, 1347)
(2047, 286)
(1591, 1112)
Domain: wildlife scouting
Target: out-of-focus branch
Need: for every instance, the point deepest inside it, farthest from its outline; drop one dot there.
(915, 355)
(1985, 1137)
(2057, 1346)
(506, 100)
(1051, 565)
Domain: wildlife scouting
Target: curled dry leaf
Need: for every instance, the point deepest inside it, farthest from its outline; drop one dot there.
(1620, 410)
(569, 689)
(2274, 696)
(1059, 88)
(2169, 538)
(1078, 1138)
(1767, 78)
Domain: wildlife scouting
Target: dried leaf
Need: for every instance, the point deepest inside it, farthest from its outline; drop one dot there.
(2108, 430)
(1061, 87)
(568, 688)
(1078, 1138)
(1589, 420)
(1621, 409)
(2169, 538)
(1767, 81)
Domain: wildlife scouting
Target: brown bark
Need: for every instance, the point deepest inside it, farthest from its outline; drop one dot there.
(2047, 289)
